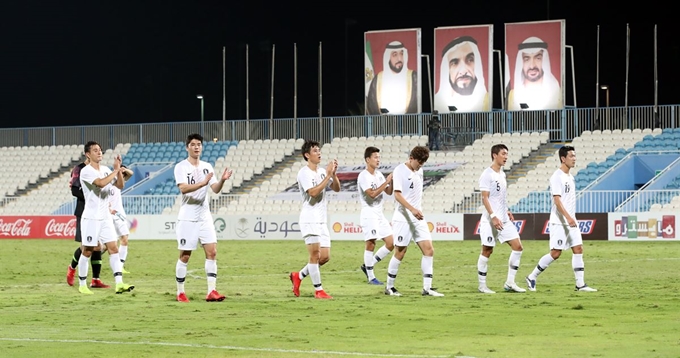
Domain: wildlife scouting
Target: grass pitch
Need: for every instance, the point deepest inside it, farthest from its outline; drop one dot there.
(636, 312)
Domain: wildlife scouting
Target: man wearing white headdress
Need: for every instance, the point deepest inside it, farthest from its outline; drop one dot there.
(534, 83)
(395, 87)
(461, 78)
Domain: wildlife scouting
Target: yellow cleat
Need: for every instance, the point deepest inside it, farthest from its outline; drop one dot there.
(123, 287)
(85, 290)
(125, 271)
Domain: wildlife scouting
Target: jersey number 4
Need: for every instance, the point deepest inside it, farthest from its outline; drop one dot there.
(411, 186)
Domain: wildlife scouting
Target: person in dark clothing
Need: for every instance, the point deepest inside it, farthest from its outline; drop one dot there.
(96, 260)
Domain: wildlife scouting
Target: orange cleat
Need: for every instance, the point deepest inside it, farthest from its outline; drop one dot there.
(97, 283)
(70, 275)
(182, 297)
(295, 279)
(214, 296)
(322, 295)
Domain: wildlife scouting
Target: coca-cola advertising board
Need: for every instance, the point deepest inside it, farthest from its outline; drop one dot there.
(38, 227)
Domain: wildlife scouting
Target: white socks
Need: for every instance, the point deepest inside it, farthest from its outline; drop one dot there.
(211, 274)
(513, 265)
(180, 275)
(482, 267)
(426, 265)
(579, 269)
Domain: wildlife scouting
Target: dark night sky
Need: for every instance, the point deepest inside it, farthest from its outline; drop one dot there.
(71, 63)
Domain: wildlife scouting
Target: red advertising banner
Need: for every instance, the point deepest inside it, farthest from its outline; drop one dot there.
(463, 68)
(535, 64)
(38, 227)
(593, 226)
(392, 71)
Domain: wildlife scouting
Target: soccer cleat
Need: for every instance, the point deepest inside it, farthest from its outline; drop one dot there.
(484, 289)
(123, 287)
(97, 283)
(531, 284)
(513, 287)
(214, 296)
(295, 279)
(85, 290)
(363, 268)
(70, 275)
(392, 291)
(322, 295)
(125, 271)
(375, 282)
(585, 288)
(182, 297)
(432, 292)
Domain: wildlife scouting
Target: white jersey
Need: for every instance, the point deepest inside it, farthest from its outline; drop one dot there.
(410, 184)
(371, 208)
(96, 198)
(497, 186)
(195, 205)
(116, 201)
(314, 208)
(563, 184)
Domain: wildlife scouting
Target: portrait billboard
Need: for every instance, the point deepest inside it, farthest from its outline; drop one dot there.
(535, 64)
(463, 68)
(392, 71)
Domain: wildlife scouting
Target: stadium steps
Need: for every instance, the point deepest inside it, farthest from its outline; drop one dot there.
(530, 162)
(267, 174)
(48, 178)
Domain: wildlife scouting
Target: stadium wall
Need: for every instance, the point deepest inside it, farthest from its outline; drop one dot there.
(639, 226)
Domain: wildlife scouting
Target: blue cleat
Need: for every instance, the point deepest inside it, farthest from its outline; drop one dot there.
(375, 282)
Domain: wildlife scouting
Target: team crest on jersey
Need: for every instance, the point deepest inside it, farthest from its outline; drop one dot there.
(205, 171)
(373, 232)
(585, 226)
(400, 238)
(182, 241)
(519, 225)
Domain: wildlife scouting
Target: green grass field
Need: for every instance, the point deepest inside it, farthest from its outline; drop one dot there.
(636, 313)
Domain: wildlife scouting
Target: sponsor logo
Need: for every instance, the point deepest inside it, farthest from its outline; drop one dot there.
(20, 227)
(60, 229)
(585, 226)
(444, 228)
(220, 225)
(347, 228)
(632, 228)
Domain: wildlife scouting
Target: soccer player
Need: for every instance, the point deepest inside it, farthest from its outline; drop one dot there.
(564, 230)
(96, 259)
(372, 187)
(497, 222)
(97, 223)
(120, 222)
(408, 221)
(313, 181)
(195, 223)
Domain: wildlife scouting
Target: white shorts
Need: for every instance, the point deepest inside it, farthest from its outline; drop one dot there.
(316, 233)
(97, 231)
(488, 233)
(190, 233)
(403, 232)
(375, 228)
(120, 223)
(563, 237)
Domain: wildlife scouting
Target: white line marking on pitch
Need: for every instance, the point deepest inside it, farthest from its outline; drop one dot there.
(233, 348)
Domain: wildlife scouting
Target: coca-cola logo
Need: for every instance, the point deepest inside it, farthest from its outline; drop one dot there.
(20, 227)
(61, 229)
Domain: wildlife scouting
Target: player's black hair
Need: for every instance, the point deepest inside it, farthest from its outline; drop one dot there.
(89, 145)
(193, 136)
(420, 153)
(369, 152)
(497, 149)
(564, 151)
(307, 147)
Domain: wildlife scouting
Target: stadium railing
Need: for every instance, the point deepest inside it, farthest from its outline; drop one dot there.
(563, 125)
